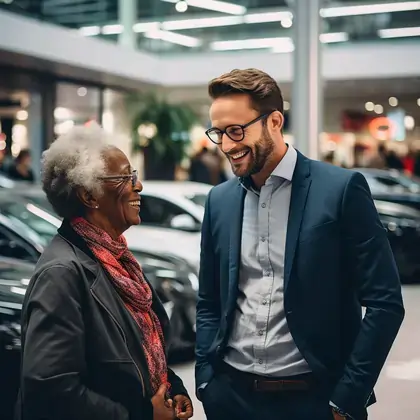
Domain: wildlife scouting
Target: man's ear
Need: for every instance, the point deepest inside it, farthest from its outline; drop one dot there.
(277, 121)
(87, 199)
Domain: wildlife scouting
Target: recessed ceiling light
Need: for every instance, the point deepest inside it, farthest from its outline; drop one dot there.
(379, 109)
(393, 101)
(22, 115)
(409, 122)
(82, 91)
(286, 23)
(181, 6)
(369, 106)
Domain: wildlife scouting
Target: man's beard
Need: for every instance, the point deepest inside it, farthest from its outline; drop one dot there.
(259, 155)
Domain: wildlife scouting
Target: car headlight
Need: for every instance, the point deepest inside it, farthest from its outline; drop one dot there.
(396, 226)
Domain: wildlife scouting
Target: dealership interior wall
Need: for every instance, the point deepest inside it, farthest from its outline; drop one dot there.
(52, 77)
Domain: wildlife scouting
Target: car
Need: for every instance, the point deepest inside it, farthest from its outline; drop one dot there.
(14, 279)
(172, 279)
(171, 215)
(389, 181)
(402, 224)
(160, 236)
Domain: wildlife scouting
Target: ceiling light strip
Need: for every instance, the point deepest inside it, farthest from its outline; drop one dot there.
(370, 9)
(215, 5)
(278, 44)
(399, 32)
(253, 18)
(174, 38)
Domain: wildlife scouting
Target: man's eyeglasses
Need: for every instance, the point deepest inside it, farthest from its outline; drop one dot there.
(133, 176)
(235, 132)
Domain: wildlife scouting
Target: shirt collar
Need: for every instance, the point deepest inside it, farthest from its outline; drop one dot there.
(284, 170)
(287, 165)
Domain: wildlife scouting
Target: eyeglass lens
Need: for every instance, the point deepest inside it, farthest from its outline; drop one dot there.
(234, 132)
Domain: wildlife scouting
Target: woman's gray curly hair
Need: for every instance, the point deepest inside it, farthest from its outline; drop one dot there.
(74, 160)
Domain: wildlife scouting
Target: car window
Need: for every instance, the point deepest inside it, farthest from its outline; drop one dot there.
(390, 182)
(155, 211)
(12, 246)
(199, 199)
(33, 217)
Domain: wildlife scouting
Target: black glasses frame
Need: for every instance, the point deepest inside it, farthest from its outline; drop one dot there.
(220, 132)
(134, 177)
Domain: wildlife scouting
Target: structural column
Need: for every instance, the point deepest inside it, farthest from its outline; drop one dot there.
(306, 114)
(127, 16)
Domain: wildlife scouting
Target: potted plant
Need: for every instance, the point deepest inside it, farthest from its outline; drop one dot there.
(161, 131)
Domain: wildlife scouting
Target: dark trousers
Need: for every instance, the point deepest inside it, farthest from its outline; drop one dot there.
(226, 398)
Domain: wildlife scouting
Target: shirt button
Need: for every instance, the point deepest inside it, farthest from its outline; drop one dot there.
(263, 205)
(260, 332)
(260, 361)
(263, 239)
(265, 302)
(267, 273)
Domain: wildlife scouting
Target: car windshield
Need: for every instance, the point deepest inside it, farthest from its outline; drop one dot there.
(37, 219)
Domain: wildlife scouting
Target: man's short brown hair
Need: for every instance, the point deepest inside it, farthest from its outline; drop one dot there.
(263, 90)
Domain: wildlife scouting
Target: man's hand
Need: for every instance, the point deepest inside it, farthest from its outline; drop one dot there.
(183, 407)
(162, 408)
(338, 416)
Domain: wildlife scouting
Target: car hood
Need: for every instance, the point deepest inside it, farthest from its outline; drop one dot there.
(184, 245)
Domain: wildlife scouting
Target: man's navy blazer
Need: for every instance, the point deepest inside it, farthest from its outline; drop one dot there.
(337, 259)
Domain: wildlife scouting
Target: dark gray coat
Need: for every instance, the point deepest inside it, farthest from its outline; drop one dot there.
(82, 352)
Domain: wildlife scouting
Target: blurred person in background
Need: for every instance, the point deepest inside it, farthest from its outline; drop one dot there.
(393, 161)
(378, 161)
(21, 170)
(409, 163)
(291, 251)
(93, 329)
(207, 167)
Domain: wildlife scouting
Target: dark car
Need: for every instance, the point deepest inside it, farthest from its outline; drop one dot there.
(171, 278)
(404, 198)
(14, 278)
(26, 229)
(402, 224)
(389, 181)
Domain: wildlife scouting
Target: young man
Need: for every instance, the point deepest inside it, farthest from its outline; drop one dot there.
(291, 250)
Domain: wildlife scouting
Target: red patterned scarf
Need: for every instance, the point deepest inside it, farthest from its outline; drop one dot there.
(133, 289)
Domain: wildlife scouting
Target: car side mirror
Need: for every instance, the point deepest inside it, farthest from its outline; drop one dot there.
(184, 222)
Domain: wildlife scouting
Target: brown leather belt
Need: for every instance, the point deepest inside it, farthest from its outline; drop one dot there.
(264, 384)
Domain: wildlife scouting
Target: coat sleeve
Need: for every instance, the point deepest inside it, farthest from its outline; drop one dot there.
(377, 284)
(177, 386)
(208, 305)
(53, 361)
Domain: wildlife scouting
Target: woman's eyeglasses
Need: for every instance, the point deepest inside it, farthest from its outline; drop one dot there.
(235, 132)
(133, 176)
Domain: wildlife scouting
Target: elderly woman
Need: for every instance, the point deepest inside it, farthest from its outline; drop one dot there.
(93, 329)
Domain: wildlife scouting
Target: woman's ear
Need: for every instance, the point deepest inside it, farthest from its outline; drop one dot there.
(87, 199)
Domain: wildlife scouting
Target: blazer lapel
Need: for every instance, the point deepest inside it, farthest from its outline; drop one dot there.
(237, 208)
(300, 186)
